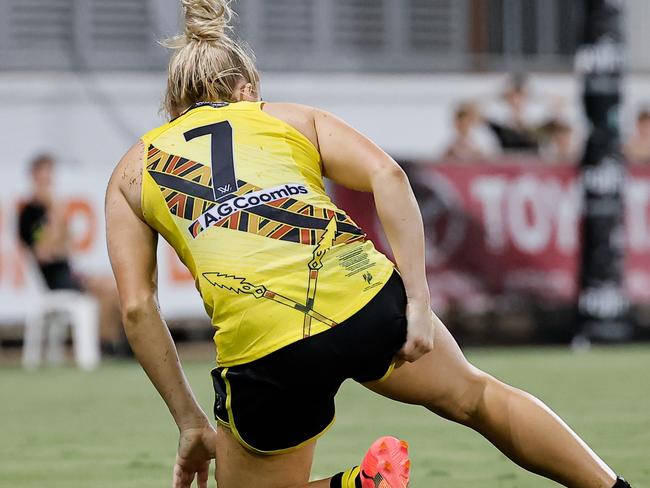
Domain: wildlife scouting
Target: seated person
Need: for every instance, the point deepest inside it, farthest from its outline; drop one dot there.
(513, 125)
(42, 227)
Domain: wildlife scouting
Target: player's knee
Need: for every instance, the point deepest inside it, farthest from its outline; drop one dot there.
(470, 402)
(137, 309)
(464, 404)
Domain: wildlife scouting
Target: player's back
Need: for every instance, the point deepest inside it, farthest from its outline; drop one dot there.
(239, 195)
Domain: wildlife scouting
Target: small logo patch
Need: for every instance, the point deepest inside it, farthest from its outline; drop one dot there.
(368, 277)
(225, 189)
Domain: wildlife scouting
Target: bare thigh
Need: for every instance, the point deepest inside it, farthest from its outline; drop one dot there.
(237, 467)
(442, 381)
(101, 286)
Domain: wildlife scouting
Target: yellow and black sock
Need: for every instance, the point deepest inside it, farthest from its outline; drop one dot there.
(347, 479)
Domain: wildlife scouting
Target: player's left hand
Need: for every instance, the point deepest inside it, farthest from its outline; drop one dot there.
(196, 448)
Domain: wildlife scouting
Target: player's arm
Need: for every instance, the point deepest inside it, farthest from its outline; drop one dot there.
(132, 249)
(352, 160)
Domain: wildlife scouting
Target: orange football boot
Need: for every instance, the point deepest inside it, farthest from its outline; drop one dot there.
(386, 464)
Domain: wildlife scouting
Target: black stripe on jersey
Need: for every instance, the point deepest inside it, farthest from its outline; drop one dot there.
(184, 186)
(243, 221)
(189, 208)
(288, 204)
(167, 162)
(297, 220)
(292, 236)
(341, 217)
(187, 187)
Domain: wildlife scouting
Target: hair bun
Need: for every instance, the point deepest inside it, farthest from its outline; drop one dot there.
(207, 20)
(207, 64)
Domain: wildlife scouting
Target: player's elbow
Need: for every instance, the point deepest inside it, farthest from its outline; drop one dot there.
(389, 175)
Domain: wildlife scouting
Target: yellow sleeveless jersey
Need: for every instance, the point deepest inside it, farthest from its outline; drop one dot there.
(239, 195)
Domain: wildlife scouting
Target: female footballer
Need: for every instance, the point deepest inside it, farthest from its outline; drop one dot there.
(299, 298)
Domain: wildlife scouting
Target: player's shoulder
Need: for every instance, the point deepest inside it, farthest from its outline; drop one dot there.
(293, 111)
(150, 136)
(301, 117)
(127, 174)
(288, 106)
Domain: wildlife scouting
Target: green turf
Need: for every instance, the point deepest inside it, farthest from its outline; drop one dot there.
(66, 429)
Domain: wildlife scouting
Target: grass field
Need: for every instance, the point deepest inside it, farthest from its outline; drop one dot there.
(67, 429)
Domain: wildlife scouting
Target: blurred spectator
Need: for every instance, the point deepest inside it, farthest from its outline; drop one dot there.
(513, 126)
(517, 115)
(466, 145)
(637, 149)
(557, 144)
(44, 230)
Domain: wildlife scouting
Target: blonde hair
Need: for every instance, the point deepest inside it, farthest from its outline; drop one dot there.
(207, 64)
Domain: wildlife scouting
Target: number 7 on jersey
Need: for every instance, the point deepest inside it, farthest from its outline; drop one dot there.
(224, 181)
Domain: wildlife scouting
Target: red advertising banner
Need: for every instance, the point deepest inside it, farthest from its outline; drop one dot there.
(509, 230)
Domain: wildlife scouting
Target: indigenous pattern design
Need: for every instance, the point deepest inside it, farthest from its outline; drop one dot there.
(187, 188)
(185, 184)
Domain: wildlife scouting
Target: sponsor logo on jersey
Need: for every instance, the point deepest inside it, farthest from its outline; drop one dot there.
(253, 199)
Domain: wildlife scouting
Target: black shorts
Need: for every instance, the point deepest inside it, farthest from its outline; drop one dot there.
(279, 402)
(59, 276)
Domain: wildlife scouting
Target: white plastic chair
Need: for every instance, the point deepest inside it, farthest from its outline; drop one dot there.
(50, 313)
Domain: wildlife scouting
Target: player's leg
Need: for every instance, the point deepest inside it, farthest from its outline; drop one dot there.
(520, 425)
(286, 399)
(238, 467)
